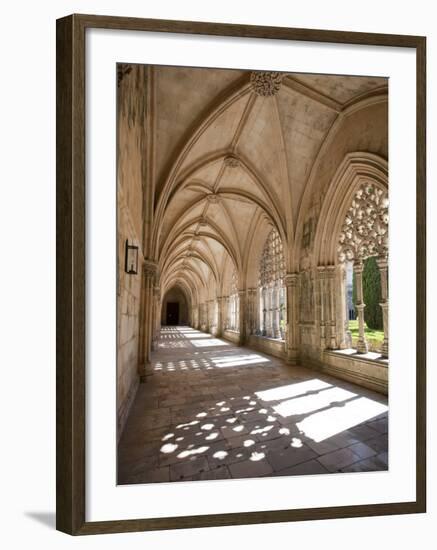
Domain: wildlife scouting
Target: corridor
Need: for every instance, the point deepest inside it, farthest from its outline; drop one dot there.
(212, 410)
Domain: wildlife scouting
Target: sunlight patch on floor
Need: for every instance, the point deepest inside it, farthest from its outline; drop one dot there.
(314, 402)
(292, 390)
(324, 424)
(208, 343)
(240, 360)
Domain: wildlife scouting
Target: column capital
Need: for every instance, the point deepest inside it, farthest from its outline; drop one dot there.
(329, 273)
(382, 262)
(358, 266)
(290, 279)
(150, 268)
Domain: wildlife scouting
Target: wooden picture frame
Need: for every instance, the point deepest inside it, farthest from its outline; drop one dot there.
(71, 284)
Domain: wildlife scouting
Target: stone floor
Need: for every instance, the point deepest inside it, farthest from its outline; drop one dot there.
(212, 410)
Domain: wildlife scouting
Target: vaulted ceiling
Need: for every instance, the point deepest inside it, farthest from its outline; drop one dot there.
(234, 152)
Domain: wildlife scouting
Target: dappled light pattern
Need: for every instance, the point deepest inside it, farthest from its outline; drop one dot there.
(218, 411)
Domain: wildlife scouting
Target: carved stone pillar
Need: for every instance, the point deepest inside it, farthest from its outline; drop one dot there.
(258, 311)
(220, 302)
(362, 346)
(242, 316)
(275, 313)
(344, 338)
(156, 316)
(207, 320)
(269, 311)
(383, 271)
(251, 310)
(264, 312)
(227, 311)
(330, 289)
(321, 305)
(147, 326)
(292, 334)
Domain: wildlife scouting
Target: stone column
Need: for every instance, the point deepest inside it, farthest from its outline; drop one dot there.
(257, 312)
(263, 326)
(156, 316)
(220, 301)
(215, 320)
(273, 317)
(227, 312)
(207, 316)
(362, 346)
(277, 329)
(343, 334)
(242, 316)
(149, 277)
(292, 332)
(382, 263)
(268, 306)
(321, 293)
(251, 311)
(330, 288)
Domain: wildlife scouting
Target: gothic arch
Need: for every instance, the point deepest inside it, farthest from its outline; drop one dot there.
(356, 169)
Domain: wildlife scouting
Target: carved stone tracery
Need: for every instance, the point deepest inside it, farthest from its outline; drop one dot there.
(365, 229)
(365, 234)
(271, 284)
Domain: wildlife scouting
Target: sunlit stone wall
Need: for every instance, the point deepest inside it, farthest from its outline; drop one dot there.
(131, 138)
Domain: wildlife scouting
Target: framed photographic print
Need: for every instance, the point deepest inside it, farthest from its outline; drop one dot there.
(240, 274)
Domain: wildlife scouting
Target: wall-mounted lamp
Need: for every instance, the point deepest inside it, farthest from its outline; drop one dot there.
(131, 258)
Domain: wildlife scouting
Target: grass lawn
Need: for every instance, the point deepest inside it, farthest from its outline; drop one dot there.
(374, 337)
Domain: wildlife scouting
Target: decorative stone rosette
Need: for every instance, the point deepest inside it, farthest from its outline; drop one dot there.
(232, 161)
(266, 83)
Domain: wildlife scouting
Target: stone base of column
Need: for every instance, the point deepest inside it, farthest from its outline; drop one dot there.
(276, 333)
(292, 356)
(144, 374)
(362, 346)
(384, 348)
(145, 370)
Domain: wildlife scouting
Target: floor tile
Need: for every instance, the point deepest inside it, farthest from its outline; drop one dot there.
(191, 407)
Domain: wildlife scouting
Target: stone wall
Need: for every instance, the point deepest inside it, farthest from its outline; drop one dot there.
(268, 345)
(366, 372)
(129, 299)
(232, 336)
(130, 176)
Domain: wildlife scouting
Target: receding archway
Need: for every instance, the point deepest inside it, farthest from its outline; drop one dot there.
(174, 308)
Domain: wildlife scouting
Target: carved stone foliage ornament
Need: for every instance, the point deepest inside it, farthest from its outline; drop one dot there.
(265, 83)
(232, 161)
(365, 229)
(150, 268)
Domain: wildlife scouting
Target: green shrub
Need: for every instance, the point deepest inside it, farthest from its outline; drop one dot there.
(371, 294)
